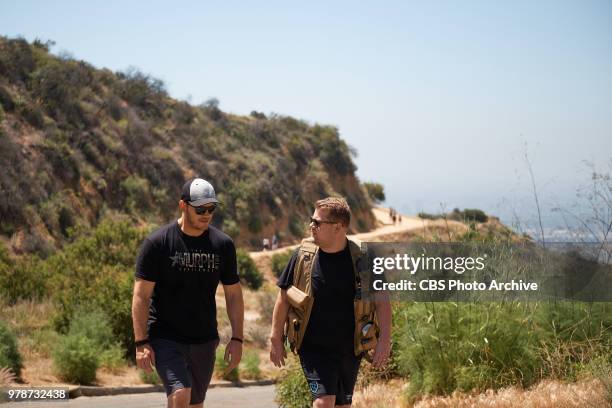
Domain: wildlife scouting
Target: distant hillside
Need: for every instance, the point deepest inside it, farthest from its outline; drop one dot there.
(78, 144)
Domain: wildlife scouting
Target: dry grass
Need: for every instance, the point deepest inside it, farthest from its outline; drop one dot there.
(547, 394)
(27, 315)
(379, 395)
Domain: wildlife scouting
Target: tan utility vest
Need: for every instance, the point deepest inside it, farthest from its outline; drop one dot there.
(301, 300)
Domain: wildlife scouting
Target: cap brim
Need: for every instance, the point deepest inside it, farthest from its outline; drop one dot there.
(203, 201)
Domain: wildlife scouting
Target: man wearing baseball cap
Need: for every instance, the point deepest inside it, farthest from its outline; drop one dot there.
(173, 308)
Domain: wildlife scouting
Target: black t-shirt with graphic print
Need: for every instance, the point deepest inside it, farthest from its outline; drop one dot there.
(331, 324)
(186, 271)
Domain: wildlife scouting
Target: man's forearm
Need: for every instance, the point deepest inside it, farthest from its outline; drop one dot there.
(383, 312)
(235, 313)
(140, 315)
(279, 315)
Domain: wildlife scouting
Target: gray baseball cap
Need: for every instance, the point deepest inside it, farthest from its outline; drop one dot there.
(198, 192)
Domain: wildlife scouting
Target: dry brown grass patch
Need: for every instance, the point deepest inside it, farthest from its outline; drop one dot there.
(547, 394)
(380, 395)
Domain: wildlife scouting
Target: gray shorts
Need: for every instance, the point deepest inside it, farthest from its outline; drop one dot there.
(182, 365)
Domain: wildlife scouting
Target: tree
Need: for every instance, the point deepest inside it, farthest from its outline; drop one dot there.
(376, 191)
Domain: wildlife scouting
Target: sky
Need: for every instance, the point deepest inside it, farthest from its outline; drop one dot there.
(441, 99)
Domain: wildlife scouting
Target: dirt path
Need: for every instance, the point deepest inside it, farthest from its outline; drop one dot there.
(386, 230)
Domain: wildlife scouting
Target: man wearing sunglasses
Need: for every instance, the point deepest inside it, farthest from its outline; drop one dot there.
(174, 312)
(327, 352)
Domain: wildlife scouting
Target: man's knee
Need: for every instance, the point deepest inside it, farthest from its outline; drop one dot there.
(327, 401)
(180, 398)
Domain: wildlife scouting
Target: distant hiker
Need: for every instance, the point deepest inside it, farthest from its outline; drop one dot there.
(274, 241)
(400, 218)
(317, 307)
(266, 244)
(173, 308)
(393, 218)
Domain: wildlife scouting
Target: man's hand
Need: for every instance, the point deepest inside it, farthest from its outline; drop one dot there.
(145, 358)
(381, 353)
(233, 354)
(277, 352)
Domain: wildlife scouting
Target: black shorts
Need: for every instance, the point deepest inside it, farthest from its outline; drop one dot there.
(182, 365)
(330, 374)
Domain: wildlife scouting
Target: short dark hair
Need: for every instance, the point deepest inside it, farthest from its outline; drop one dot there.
(339, 210)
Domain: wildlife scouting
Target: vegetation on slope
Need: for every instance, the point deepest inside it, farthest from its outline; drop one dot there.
(78, 142)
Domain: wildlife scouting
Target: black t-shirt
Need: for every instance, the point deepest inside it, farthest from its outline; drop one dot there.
(332, 321)
(186, 271)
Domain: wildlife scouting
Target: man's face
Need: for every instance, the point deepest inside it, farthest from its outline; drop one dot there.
(198, 221)
(323, 228)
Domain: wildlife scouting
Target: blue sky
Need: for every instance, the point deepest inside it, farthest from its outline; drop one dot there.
(441, 99)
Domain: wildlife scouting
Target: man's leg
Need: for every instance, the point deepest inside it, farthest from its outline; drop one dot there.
(321, 372)
(327, 401)
(179, 398)
(172, 368)
(349, 368)
(201, 363)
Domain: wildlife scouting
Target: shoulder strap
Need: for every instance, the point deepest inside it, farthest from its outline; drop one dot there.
(357, 258)
(302, 273)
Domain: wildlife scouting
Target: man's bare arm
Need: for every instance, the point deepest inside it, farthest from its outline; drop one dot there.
(143, 290)
(235, 311)
(235, 308)
(383, 313)
(279, 316)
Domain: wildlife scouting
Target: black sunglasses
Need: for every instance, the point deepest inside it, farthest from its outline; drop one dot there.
(203, 209)
(317, 223)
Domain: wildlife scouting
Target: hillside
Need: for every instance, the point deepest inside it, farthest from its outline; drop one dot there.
(79, 144)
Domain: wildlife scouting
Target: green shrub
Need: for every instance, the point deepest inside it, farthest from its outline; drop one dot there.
(255, 223)
(92, 324)
(468, 215)
(33, 115)
(112, 358)
(21, 278)
(76, 359)
(43, 340)
(448, 346)
(6, 100)
(476, 346)
(221, 366)
(577, 336)
(97, 270)
(428, 216)
(141, 90)
(376, 191)
(59, 84)
(249, 274)
(292, 390)
(95, 326)
(230, 227)
(249, 365)
(296, 227)
(17, 59)
(280, 261)
(9, 350)
(136, 193)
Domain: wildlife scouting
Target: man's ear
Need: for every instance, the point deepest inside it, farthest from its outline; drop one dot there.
(182, 205)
